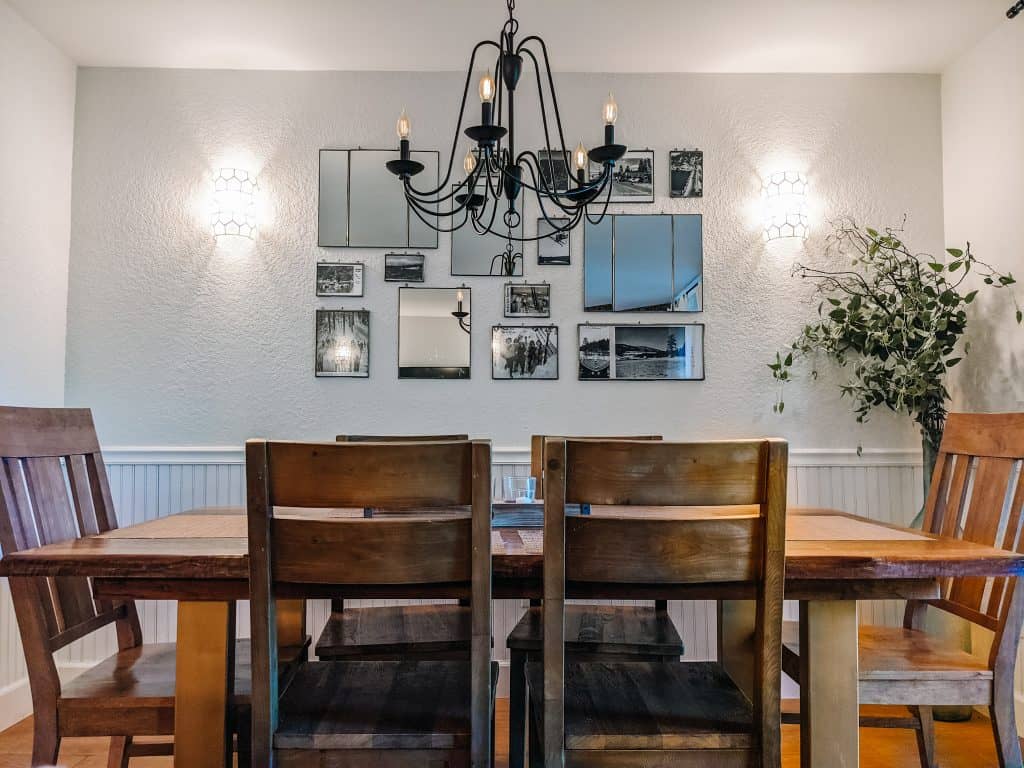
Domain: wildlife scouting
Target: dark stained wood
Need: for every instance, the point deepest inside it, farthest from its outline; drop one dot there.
(976, 498)
(537, 453)
(604, 630)
(396, 632)
(382, 703)
(589, 706)
(37, 432)
(388, 475)
(400, 438)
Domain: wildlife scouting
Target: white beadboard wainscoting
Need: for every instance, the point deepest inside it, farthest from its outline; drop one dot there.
(148, 483)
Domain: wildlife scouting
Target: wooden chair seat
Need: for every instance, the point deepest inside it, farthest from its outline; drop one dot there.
(649, 706)
(606, 630)
(906, 666)
(142, 679)
(355, 705)
(396, 632)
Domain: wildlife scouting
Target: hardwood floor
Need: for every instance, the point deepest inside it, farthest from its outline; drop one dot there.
(961, 745)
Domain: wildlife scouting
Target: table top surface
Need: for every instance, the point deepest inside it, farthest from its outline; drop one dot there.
(211, 544)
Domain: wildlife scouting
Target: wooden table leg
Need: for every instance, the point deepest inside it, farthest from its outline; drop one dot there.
(291, 623)
(736, 625)
(829, 703)
(204, 682)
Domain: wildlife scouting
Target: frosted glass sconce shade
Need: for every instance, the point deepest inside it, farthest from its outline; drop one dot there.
(785, 205)
(234, 210)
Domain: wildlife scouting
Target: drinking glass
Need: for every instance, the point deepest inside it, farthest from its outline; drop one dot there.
(519, 490)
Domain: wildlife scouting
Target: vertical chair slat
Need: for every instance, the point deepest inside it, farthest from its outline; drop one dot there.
(480, 648)
(553, 709)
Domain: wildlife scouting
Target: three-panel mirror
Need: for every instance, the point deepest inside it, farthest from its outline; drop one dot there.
(433, 333)
(362, 204)
(644, 263)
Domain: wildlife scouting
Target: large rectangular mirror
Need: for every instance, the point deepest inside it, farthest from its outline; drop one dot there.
(362, 204)
(644, 263)
(433, 333)
(476, 255)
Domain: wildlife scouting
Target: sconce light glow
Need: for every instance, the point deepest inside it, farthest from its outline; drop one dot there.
(234, 210)
(785, 205)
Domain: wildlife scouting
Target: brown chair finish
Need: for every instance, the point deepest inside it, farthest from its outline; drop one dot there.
(438, 631)
(43, 454)
(976, 495)
(639, 713)
(381, 713)
(634, 633)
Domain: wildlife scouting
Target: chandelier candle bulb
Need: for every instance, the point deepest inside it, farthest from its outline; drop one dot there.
(581, 160)
(469, 163)
(610, 113)
(487, 90)
(403, 128)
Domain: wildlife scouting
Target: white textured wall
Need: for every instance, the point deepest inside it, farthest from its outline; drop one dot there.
(983, 163)
(173, 341)
(37, 107)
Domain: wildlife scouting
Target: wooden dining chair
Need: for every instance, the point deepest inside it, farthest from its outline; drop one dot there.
(402, 712)
(605, 632)
(976, 494)
(380, 633)
(631, 713)
(54, 488)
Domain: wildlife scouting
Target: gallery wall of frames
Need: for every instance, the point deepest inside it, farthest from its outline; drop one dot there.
(634, 260)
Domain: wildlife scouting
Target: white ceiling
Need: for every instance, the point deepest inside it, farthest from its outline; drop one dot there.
(582, 35)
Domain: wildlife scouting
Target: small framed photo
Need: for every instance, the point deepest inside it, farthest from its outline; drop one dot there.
(524, 352)
(553, 245)
(633, 179)
(554, 170)
(342, 343)
(403, 267)
(339, 279)
(686, 167)
(641, 352)
(527, 300)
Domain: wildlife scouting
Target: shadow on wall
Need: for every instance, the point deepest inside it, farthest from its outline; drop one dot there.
(990, 377)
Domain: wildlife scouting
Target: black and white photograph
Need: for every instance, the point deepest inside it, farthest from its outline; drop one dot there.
(642, 352)
(686, 167)
(338, 279)
(403, 267)
(554, 169)
(633, 179)
(553, 247)
(594, 351)
(343, 343)
(527, 300)
(524, 352)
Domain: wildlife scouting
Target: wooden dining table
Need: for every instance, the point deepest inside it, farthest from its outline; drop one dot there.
(200, 559)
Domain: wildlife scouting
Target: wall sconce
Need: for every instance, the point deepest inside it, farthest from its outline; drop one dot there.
(785, 205)
(234, 210)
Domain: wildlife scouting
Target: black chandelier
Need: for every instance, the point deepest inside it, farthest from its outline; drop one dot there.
(1015, 10)
(493, 168)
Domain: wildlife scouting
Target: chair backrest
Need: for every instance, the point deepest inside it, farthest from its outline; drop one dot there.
(399, 438)
(54, 488)
(663, 548)
(537, 453)
(977, 494)
(290, 552)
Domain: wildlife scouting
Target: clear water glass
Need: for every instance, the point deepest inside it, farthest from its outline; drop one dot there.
(519, 490)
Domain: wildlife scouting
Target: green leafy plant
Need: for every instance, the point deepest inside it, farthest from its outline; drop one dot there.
(894, 320)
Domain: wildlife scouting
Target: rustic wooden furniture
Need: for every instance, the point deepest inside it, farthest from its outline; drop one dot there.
(436, 631)
(54, 489)
(607, 633)
(832, 560)
(384, 713)
(976, 495)
(643, 713)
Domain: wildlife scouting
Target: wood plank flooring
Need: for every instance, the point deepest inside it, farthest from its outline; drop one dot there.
(960, 745)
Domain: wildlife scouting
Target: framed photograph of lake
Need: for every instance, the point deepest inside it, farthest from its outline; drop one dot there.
(641, 352)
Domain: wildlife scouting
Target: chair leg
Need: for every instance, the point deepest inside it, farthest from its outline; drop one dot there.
(1004, 726)
(244, 740)
(120, 748)
(517, 709)
(45, 741)
(925, 736)
(536, 744)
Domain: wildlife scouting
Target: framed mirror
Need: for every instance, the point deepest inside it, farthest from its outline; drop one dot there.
(434, 333)
(362, 204)
(476, 255)
(644, 263)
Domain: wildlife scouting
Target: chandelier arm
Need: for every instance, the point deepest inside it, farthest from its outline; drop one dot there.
(604, 208)
(425, 199)
(547, 191)
(458, 124)
(543, 108)
(551, 82)
(416, 209)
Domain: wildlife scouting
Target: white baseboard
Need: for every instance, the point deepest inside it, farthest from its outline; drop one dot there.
(16, 698)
